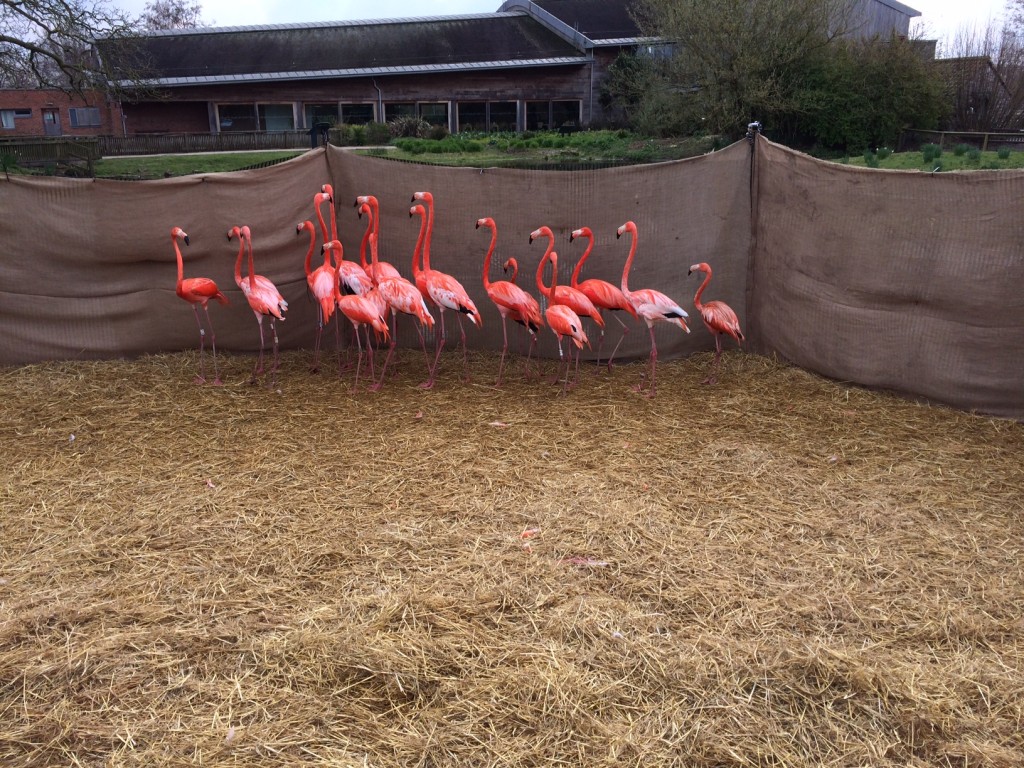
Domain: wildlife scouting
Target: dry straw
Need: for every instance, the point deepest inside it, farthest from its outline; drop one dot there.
(777, 570)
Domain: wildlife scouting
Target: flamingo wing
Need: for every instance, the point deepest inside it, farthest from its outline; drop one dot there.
(448, 292)
(578, 302)
(606, 296)
(322, 283)
(265, 299)
(564, 322)
(654, 306)
(200, 290)
(354, 278)
(719, 317)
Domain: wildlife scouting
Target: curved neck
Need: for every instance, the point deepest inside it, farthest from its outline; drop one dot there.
(181, 264)
(417, 249)
(307, 225)
(696, 297)
(487, 258)
(252, 272)
(551, 256)
(320, 216)
(241, 253)
(624, 287)
(334, 219)
(429, 235)
(586, 255)
(514, 266)
(366, 237)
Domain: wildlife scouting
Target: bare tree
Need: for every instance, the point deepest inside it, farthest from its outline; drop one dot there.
(740, 59)
(172, 14)
(983, 72)
(48, 43)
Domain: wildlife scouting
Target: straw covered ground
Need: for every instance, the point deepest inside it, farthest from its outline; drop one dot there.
(777, 570)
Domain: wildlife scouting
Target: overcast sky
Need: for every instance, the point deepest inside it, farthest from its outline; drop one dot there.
(939, 18)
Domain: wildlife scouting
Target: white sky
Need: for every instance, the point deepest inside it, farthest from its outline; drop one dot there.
(939, 19)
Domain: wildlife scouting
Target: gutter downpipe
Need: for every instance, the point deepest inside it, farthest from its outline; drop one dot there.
(380, 100)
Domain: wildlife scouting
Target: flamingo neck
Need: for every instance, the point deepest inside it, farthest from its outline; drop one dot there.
(334, 220)
(366, 239)
(514, 265)
(417, 249)
(238, 261)
(624, 287)
(700, 291)
(429, 236)
(252, 271)
(320, 218)
(487, 258)
(549, 292)
(309, 253)
(181, 263)
(574, 281)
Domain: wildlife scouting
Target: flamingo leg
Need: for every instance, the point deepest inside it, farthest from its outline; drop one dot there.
(276, 363)
(213, 343)
(429, 383)
(384, 368)
(713, 374)
(315, 367)
(504, 349)
(625, 330)
(201, 378)
(359, 359)
(465, 353)
(259, 360)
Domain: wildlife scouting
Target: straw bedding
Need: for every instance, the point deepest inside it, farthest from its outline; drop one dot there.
(777, 570)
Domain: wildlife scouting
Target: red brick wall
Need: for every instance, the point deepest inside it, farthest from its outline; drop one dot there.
(40, 100)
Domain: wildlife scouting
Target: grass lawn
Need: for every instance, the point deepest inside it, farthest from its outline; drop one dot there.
(949, 160)
(159, 166)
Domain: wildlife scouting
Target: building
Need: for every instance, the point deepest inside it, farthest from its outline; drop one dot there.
(43, 112)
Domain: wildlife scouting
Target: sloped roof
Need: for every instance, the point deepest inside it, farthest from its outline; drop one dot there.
(344, 49)
(597, 19)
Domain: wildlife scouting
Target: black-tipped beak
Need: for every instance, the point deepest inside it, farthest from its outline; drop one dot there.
(186, 240)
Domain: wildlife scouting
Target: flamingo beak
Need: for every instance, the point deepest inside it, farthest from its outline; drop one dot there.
(186, 239)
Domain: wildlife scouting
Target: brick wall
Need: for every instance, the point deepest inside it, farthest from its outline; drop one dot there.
(58, 105)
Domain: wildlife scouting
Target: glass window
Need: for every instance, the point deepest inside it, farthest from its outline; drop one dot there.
(320, 113)
(399, 109)
(538, 115)
(563, 112)
(356, 114)
(472, 115)
(236, 117)
(502, 116)
(7, 119)
(276, 117)
(83, 117)
(435, 114)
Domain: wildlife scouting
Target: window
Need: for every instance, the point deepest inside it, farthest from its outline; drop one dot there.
(356, 114)
(276, 117)
(85, 117)
(399, 109)
(502, 116)
(542, 115)
(472, 115)
(563, 112)
(435, 114)
(236, 117)
(7, 119)
(320, 113)
(538, 115)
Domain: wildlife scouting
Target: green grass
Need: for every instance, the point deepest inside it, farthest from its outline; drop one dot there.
(949, 160)
(160, 166)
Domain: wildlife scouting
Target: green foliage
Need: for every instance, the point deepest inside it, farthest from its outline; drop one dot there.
(961, 149)
(377, 133)
(1003, 153)
(883, 153)
(870, 159)
(930, 152)
(973, 154)
(408, 126)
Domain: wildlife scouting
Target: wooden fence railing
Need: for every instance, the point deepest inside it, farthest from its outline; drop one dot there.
(179, 143)
(51, 151)
(983, 140)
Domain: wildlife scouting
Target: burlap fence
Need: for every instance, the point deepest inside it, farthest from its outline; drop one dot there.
(904, 281)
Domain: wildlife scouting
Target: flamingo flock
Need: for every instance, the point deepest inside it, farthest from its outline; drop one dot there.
(370, 292)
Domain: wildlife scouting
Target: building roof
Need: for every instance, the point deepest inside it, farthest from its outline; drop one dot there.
(343, 49)
(599, 21)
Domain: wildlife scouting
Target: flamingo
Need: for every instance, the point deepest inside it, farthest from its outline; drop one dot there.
(360, 310)
(567, 294)
(353, 277)
(603, 294)
(263, 298)
(322, 284)
(653, 306)
(511, 265)
(446, 292)
(561, 319)
(401, 296)
(198, 291)
(378, 270)
(508, 298)
(718, 318)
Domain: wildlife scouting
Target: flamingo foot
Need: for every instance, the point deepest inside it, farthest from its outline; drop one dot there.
(428, 384)
(198, 380)
(217, 382)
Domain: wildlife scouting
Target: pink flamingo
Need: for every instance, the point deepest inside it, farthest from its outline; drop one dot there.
(198, 291)
(509, 298)
(353, 277)
(322, 284)
(378, 270)
(653, 306)
(511, 265)
(576, 300)
(263, 298)
(401, 296)
(446, 292)
(360, 310)
(718, 318)
(561, 319)
(603, 294)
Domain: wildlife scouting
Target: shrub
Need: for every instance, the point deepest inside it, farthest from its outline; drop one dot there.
(870, 159)
(961, 149)
(408, 125)
(437, 132)
(1004, 153)
(883, 153)
(930, 152)
(377, 133)
(974, 154)
(358, 135)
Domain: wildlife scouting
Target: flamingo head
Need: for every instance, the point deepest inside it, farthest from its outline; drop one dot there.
(327, 189)
(321, 197)
(427, 197)
(545, 230)
(629, 226)
(177, 232)
(331, 245)
(581, 232)
(305, 225)
(417, 209)
(487, 221)
(364, 208)
(702, 267)
(234, 232)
